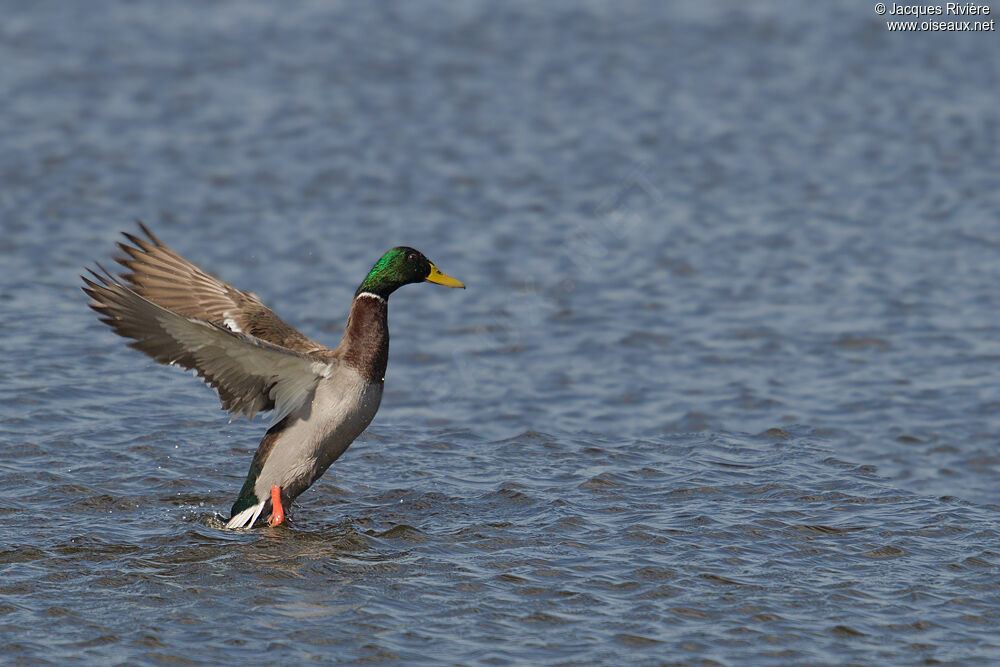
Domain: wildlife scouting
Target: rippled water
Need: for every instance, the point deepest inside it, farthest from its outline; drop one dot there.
(722, 388)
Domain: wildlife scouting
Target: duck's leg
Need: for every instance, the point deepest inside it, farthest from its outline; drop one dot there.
(277, 511)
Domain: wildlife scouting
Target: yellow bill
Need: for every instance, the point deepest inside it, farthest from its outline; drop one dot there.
(436, 276)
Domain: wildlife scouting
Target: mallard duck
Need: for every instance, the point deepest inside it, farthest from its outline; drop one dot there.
(322, 399)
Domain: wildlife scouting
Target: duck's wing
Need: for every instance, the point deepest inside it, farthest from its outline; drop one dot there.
(158, 274)
(250, 374)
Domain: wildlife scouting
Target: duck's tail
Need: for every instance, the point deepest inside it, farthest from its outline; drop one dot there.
(247, 517)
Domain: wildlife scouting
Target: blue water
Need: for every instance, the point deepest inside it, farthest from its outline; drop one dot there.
(722, 389)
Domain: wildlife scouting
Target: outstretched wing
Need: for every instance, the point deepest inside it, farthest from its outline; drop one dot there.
(158, 274)
(250, 374)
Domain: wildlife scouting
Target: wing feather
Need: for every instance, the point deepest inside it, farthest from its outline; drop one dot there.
(250, 374)
(158, 274)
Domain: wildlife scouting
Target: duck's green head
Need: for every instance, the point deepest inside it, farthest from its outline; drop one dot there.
(402, 266)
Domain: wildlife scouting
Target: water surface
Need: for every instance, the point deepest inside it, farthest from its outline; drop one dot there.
(722, 389)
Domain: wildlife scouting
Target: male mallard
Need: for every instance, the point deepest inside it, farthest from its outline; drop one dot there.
(322, 399)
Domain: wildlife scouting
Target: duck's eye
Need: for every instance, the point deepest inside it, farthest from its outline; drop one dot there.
(411, 257)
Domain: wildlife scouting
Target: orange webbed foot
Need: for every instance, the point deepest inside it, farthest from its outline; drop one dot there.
(277, 511)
